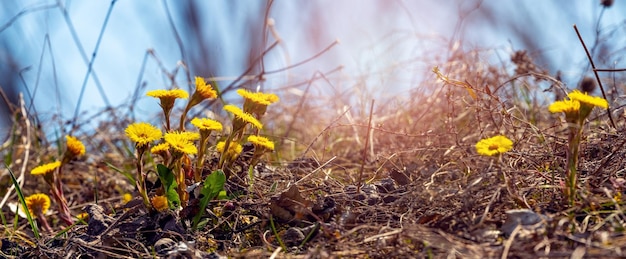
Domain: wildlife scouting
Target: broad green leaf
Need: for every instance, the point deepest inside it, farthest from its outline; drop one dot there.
(168, 179)
(213, 185)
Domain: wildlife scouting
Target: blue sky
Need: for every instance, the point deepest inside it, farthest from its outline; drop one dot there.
(386, 47)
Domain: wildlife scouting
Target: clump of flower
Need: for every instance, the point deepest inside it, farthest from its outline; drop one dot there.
(53, 173)
(142, 134)
(576, 109)
(179, 147)
(37, 205)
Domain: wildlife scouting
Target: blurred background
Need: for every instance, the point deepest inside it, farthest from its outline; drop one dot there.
(83, 59)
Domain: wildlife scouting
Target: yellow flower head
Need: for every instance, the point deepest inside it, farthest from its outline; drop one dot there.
(206, 124)
(566, 106)
(261, 142)
(46, 168)
(160, 203)
(74, 146)
(143, 133)
(583, 98)
(168, 94)
(167, 98)
(83, 216)
(204, 90)
(126, 197)
(160, 149)
(234, 149)
(241, 115)
(256, 103)
(37, 204)
(182, 141)
(258, 97)
(189, 136)
(494, 145)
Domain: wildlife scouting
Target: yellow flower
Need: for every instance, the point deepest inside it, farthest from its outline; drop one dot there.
(261, 142)
(160, 149)
(566, 106)
(83, 216)
(160, 203)
(46, 168)
(143, 133)
(126, 197)
(494, 145)
(245, 117)
(204, 90)
(74, 146)
(189, 136)
(168, 95)
(206, 124)
(181, 142)
(588, 99)
(37, 204)
(256, 103)
(258, 97)
(234, 149)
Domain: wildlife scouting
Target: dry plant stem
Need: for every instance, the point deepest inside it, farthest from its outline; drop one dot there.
(510, 187)
(367, 140)
(595, 72)
(140, 180)
(575, 133)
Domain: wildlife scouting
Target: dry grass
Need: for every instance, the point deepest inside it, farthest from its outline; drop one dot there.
(426, 192)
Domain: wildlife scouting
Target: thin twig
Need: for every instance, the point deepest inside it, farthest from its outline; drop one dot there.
(367, 141)
(595, 72)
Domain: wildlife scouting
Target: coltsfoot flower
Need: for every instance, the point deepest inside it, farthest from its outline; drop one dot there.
(74, 146)
(168, 95)
(566, 106)
(159, 203)
(584, 98)
(37, 204)
(261, 142)
(206, 124)
(494, 145)
(234, 149)
(243, 116)
(204, 90)
(182, 142)
(143, 133)
(46, 168)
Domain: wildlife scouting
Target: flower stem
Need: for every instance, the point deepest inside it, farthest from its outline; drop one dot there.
(575, 134)
(140, 182)
(204, 138)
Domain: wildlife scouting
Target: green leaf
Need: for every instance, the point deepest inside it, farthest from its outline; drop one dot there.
(128, 175)
(213, 185)
(20, 195)
(168, 179)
